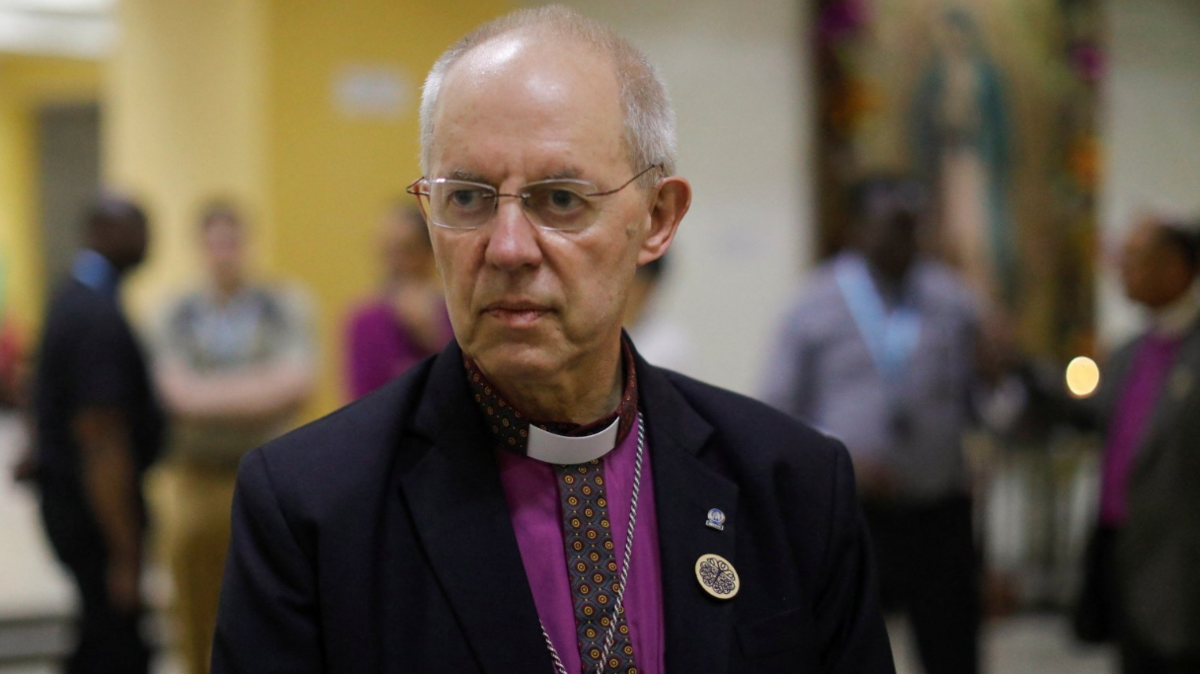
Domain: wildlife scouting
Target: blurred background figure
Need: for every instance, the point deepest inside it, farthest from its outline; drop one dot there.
(10, 351)
(1143, 577)
(235, 361)
(657, 339)
(879, 351)
(406, 319)
(10, 362)
(98, 428)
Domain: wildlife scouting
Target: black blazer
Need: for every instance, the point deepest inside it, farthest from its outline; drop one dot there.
(378, 540)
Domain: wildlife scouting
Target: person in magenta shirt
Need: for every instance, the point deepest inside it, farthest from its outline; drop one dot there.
(537, 498)
(406, 320)
(1143, 561)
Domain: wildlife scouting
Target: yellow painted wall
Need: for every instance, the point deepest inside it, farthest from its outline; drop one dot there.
(237, 97)
(331, 175)
(27, 83)
(185, 121)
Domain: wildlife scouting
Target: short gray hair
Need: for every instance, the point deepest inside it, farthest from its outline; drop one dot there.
(649, 118)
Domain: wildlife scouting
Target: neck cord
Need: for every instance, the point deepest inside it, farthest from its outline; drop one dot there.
(610, 635)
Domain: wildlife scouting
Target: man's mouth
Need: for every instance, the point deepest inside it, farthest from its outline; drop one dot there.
(516, 313)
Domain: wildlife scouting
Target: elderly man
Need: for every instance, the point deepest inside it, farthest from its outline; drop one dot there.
(536, 498)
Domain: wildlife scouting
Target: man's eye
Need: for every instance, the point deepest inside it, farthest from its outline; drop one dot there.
(564, 199)
(557, 200)
(466, 198)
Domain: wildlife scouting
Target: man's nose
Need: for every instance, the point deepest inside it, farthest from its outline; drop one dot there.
(514, 241)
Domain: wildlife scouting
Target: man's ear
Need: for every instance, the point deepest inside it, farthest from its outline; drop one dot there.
(673, 197)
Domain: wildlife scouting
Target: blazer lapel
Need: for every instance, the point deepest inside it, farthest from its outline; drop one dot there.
(699, 628)
(1112, 383)
(458, 508)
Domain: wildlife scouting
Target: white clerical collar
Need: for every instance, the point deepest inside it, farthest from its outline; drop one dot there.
(561, 449)
(1177, 318)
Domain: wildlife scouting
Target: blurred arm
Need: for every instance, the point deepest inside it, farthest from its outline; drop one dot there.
(110, 484)
(252, 394)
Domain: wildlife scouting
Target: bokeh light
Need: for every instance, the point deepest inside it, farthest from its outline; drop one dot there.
(1083, 377)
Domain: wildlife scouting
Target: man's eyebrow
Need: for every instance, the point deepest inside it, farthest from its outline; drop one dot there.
(568, 173)
(469, 176)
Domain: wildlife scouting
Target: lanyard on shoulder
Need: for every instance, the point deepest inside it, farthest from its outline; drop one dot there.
(891, 336)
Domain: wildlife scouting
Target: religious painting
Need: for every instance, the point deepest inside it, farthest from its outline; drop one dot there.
(993, 108)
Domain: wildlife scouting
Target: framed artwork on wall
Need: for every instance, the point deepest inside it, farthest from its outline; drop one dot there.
(993, 108)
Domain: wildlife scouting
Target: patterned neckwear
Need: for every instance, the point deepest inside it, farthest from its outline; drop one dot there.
(510, 427)
(587, 531)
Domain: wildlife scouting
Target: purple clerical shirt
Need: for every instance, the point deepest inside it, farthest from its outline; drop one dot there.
(531, 490)
(1131, 418)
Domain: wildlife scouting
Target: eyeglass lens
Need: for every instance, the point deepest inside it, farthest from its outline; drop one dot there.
(556, 205)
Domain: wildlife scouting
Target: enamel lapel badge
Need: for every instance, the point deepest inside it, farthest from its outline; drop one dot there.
(716, 520)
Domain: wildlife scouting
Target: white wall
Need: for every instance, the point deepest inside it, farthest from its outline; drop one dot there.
(739, 77)
(1152, 127)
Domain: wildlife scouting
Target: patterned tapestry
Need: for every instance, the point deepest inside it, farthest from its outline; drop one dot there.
(993, 106)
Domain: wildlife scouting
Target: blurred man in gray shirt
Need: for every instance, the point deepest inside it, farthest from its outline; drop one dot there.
(879, 351)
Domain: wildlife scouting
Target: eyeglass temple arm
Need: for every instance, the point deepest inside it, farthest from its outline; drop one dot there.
(627, 182)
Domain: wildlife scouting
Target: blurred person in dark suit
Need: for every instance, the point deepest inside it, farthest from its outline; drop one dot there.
(880, 350)
(1145, 556)
(406, 320)
(537, 498)
(98, 427)
(235, 361)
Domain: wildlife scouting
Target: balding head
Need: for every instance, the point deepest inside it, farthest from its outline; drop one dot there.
(645, 115)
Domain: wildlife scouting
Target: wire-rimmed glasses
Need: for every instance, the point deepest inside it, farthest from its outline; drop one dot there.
(561, 205)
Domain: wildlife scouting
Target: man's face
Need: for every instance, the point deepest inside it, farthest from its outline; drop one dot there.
(1153, 274)
(526, 302)
(889, 240)
(224, 249)
(132, 242)
(406, 254)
